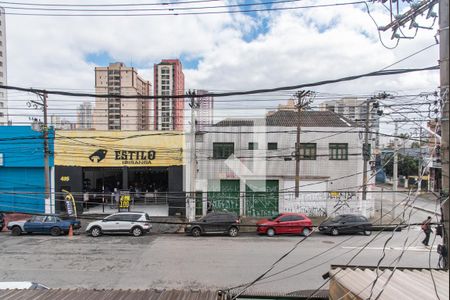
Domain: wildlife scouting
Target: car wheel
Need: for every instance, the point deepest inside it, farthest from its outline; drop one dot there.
(55, 231)
(137, 231)
(233, 232)
(196, 232)
(367, 232)
(96, 231)
(16, 231)
(270, 232)
(306, 232)
(334, 231)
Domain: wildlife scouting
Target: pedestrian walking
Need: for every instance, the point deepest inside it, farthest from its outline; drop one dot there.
(426, 227)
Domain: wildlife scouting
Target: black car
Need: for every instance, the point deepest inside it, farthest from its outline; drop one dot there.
(215, 222)
(346, 224)
(2, 221)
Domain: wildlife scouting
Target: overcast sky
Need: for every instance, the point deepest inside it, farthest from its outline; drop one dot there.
(221, 51)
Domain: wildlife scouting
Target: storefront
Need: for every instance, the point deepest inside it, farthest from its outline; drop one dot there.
(96, 165)
(22, 180)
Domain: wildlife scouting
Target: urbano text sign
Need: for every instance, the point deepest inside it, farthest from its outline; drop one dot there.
(118, 148)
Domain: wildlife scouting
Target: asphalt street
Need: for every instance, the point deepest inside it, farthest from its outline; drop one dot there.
(211, 262)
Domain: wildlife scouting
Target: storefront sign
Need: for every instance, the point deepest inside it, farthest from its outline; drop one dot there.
(119, 148)
(65, 178)
(124, 201)
(71, 208)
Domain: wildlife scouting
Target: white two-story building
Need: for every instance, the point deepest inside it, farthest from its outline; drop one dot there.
(248, 165)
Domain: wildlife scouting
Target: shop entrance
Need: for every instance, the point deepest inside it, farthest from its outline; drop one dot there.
(149, 185)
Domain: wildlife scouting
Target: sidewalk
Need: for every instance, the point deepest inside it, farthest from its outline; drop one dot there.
(426, 201)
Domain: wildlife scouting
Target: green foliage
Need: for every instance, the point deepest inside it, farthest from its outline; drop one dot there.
(407, 165)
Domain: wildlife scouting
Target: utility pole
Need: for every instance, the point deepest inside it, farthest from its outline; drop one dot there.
(444, 73)
(46, 154)
(302, 103)
(366, 154)
(49, 207)
(395, 171)
(193, 165)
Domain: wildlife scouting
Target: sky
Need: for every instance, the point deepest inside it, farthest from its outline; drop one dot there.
(220, 52)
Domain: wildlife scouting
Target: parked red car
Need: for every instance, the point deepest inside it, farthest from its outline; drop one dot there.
(292, 223)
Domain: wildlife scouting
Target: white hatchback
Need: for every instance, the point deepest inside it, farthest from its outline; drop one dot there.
(136, 223)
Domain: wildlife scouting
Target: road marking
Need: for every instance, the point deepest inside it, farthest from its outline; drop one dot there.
(414, 248)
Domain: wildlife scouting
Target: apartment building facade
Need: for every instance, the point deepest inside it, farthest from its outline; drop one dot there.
(84, 116)
(3, 70)
(117, 113)
(356, 110)
(168, 113)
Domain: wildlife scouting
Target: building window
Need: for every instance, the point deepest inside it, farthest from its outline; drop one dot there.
(308, 151)
(222, 150)
(338, 151)
(252, 146)
(272, 146)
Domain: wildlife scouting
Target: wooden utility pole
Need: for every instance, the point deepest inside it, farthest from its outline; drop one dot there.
(304, 99)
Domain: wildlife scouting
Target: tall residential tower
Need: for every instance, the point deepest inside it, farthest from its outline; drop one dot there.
(168, 113)
(84, 116)
(117, 113)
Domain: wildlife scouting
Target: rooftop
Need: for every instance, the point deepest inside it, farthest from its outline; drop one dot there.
(402, 283)
(288, 118)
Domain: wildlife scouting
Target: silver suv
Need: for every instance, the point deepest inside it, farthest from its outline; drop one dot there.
(136, 223)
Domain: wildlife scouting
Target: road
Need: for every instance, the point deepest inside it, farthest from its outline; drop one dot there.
(424, 206)
(179, 261)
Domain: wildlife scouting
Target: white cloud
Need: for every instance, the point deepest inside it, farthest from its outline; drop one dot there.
(299, 46)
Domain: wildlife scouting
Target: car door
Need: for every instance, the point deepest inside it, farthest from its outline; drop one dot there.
(297, 224)
(111, 223)
(209, 222)
(34, 224)
(353, 224)
(284, 224)
(127, 221)
(49, 222)
(344, 225)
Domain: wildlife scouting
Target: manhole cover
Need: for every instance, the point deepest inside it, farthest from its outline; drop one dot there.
(328, 242)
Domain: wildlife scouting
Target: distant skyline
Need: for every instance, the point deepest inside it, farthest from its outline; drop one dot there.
(221, 52)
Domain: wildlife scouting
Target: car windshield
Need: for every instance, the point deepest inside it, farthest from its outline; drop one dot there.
(274, 217)
(337, 219)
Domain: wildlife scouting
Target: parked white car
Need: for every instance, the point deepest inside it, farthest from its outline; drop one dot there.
(136, 223)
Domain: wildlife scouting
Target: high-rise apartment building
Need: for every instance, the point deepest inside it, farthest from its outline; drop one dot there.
(204, 111)
(3, 81)
(168, 113)
(84, 116)
(355, 110)
(116, 113)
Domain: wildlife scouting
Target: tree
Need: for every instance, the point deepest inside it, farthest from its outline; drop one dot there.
(407, 165)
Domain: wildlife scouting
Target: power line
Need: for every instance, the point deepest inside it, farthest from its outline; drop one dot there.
(186, 13)
(227, 94)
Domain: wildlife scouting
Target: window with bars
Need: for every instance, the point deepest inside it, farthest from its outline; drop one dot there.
(252, 146)
(272, 146)
(222, 150)
(338, 151)
(308, 151)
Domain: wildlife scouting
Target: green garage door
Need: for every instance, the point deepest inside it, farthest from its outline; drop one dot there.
(228, 198)
(260, 200)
